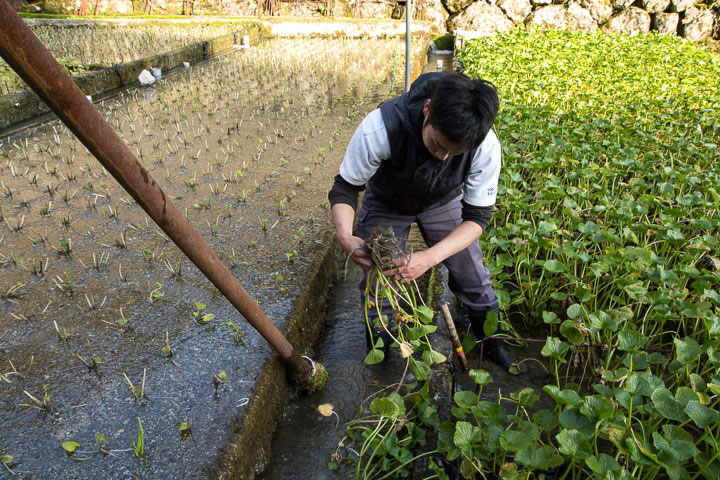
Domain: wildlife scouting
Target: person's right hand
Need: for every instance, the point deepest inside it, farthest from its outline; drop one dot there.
(355, 247)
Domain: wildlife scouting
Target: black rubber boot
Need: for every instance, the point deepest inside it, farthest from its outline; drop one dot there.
(493, 348)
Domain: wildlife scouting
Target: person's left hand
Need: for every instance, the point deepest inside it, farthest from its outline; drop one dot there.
(412, 266)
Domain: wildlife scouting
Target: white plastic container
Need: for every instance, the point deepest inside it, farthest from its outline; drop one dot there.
(146, 78)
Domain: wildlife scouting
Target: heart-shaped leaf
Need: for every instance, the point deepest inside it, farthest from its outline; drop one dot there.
(374, 356)
(481, 377)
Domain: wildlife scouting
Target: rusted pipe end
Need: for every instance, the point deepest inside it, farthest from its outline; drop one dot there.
(311, 378)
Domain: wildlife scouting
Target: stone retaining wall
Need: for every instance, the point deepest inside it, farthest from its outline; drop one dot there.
(687, 18)
(693, 19)
(23, 106)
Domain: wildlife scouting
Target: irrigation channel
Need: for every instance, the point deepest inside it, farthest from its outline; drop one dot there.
(305, 442)
(104, 324)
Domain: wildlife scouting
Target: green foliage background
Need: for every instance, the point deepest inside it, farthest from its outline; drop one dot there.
(607, 230)
(605, 236)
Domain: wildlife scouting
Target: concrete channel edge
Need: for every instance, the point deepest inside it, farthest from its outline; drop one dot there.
(248, 451)
(22, 107)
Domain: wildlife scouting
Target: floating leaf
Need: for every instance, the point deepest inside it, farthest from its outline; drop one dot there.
(326, 409)
(70, 446)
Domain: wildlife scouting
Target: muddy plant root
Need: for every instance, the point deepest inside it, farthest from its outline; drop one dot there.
(383, 247)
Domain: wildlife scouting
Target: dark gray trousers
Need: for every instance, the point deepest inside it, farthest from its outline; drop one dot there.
(469, 280)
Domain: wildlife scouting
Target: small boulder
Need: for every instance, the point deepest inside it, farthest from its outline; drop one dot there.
(516, 10)
(633, 20)
(561, 17)
(484, 19)
(600, 10)
(456, 6)
(682, 5)
(434, 12)
(540, 3)
(656, 6)
(621, 4)
(697, 24)
(666, 23)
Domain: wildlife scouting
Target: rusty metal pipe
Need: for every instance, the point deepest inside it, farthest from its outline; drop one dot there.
(26, 54)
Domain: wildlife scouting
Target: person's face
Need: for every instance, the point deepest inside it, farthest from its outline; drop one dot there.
(437, 143)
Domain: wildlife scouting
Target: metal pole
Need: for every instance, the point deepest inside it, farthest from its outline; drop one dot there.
(26, 54)
(408, 61)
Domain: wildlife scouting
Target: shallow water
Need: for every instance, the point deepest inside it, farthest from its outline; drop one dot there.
(304, 439)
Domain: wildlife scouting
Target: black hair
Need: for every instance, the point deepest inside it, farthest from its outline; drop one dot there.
(463, 109)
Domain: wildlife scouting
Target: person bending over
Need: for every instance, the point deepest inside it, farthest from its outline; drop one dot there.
(428, 156)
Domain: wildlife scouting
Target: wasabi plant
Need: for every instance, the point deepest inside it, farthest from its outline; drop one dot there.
(139, 446)
(198, 314)
(156, 293)
(7, 462)
(185, 428)
(166, 350)
(138, 393)
(70, 447)
(220, 378)
(236, 332)
(606, 245)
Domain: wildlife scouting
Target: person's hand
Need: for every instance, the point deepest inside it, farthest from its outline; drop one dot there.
(412, 266)
(354, 246)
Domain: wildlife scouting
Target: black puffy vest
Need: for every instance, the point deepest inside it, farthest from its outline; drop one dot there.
(412, 180)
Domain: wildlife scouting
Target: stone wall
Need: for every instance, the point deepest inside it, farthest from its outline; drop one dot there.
(693, 19)
(687, 18)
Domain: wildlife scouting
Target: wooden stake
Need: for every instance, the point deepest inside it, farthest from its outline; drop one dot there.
(454, 335)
